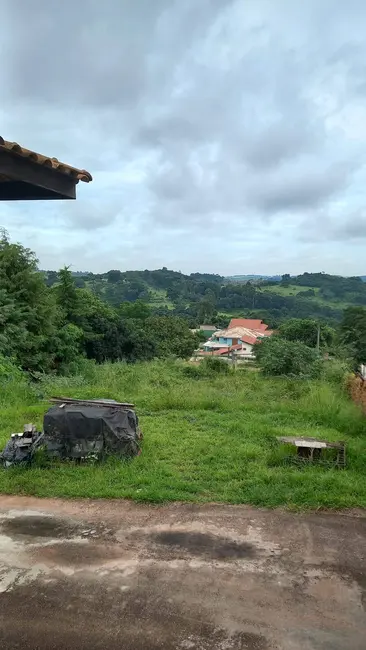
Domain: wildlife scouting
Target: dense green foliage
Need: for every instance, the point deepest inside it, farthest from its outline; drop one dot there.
(277, 356)
(353, 332)
(49, 328)
(307, 330)
(201, 297)
(49, 320)
(28, 311)
(209, 438)
(333, 286)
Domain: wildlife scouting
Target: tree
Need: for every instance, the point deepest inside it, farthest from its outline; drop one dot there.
(114, 276)
(136, 310)
(277, 356)
(67, 295)
(305, 330)
(51, 278)
(67, 346)
(103, 333)
(206, 309)
(172, 336)
(29, 312)
(139, 343)
(353, 332)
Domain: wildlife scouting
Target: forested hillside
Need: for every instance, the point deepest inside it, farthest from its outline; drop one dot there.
(207, 297)
(53, 328)
(50, 321)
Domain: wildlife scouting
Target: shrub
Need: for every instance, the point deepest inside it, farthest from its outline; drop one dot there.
(277, 356)
(9, 369)
(194, 372)
(213, 366)
(335, 371)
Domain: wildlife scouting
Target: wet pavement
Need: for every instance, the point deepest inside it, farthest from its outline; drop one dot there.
(115, 575)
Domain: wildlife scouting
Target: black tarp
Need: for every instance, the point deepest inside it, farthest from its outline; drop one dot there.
(76, 431)
(19, 450)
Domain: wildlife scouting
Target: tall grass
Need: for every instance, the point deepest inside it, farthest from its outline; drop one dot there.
(208, 436)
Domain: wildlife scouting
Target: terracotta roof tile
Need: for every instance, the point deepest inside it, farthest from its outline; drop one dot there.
(249, 323)
(249, 339)
(239, 333)
(63, 168)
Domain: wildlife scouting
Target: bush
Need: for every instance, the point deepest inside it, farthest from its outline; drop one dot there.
(9, 369)
(194, 372)
(213, 365)
(279, 357)
(335, 371)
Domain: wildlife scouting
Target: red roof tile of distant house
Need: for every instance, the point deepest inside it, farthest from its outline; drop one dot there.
(249, 339)
(249, 323)
(221, 351)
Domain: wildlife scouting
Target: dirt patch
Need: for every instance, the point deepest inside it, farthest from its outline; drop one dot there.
(38, 526)
(195, 543)
(76, 554)
(120, 575)
(353, 574)
(138, 619)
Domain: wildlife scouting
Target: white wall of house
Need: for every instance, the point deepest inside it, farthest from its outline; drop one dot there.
(246, 349)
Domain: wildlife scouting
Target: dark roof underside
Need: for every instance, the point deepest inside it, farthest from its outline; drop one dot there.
(26, 175)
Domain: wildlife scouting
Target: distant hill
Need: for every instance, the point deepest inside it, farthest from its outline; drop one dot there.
(207, 297)
(247, 278)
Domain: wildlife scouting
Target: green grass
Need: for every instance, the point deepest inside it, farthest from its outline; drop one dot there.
(158, 298)
(291, 290)
(210, 438)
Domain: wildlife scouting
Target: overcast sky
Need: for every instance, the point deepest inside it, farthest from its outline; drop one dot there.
(223, 136)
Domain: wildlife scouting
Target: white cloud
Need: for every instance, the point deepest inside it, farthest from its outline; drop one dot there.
(222, 136)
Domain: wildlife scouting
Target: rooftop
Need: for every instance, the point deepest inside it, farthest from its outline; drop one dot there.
(250, 335)
(28, 175)
(249, 323)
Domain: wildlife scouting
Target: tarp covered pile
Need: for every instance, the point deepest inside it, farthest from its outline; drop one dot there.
(81, 429)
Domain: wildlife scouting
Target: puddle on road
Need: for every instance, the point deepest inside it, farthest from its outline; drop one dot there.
(76, 553)
(38, 526)
(196, 543)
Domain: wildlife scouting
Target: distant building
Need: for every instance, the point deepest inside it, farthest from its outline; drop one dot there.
(240, 337)
(208, 330)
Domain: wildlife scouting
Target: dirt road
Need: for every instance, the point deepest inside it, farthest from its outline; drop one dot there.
(107, 575)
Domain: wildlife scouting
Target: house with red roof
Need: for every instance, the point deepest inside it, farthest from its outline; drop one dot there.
(240, 337)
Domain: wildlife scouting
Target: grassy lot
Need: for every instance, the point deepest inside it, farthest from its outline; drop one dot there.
(207, 438)
(158, 298)
(291, 290)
